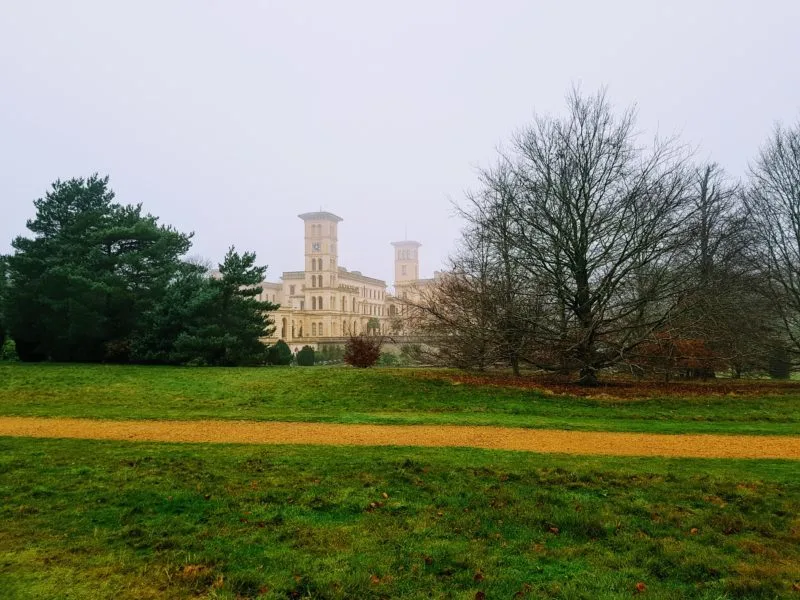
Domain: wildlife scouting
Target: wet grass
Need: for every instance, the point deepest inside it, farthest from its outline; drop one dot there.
(375, 396)
(92, 520)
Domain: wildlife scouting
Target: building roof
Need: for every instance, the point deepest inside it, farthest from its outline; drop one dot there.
(406, 244)
(320, 216)
(357, 276)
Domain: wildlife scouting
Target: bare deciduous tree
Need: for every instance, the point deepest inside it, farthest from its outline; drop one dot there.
(579, 232)
(601, 223)
(773, 200)
(456, 314)
(726, 309)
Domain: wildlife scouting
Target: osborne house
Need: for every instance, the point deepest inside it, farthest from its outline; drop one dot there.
(326, 303)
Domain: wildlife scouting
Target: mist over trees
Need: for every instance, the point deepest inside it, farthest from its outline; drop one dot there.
(101, 281)
(588, 247)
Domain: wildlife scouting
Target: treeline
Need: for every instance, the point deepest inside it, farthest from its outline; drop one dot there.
(588, 247)
(101, 281)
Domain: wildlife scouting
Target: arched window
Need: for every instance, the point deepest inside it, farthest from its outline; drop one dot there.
(313, 329)
(283, 328)
(313, 303)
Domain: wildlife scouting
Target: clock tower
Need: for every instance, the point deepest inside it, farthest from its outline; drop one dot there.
(321, 258)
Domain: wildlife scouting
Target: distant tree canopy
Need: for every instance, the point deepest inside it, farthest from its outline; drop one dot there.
(100, 281)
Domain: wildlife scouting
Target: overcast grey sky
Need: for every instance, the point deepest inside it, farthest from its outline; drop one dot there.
(230, 118)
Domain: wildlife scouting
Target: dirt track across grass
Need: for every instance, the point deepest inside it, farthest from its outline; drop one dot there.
(332, 434)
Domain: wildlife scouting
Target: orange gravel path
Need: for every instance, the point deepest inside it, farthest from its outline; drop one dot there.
(499, 438)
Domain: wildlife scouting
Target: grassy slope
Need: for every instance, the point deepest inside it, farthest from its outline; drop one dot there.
(355, 396)
(95, 520)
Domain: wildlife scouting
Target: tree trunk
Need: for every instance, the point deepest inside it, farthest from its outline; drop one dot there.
(588, 376)
(515, 365)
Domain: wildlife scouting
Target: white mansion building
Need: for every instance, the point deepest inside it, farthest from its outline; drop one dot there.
(325, 301)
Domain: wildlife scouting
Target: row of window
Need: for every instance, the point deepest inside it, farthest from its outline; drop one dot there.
(406, 254)
(367, 309)
(317, 329)
(316, 230)
(316, 281)
(373, 309)
(316, 263)
(372, 294)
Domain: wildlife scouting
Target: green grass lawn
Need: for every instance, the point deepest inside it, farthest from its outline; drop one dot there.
(365, 396)
(98, 520)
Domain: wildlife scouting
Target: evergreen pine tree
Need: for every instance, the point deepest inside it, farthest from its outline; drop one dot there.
(79, 286)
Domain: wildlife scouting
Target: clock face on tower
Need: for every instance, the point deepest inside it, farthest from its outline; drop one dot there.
(315, 246)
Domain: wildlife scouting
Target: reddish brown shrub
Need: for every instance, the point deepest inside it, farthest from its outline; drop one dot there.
(362, 351)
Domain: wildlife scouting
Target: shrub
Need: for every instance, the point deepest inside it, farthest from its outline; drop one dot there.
(305, 358)
(362, 351)
(279, 354)
(8, 351)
